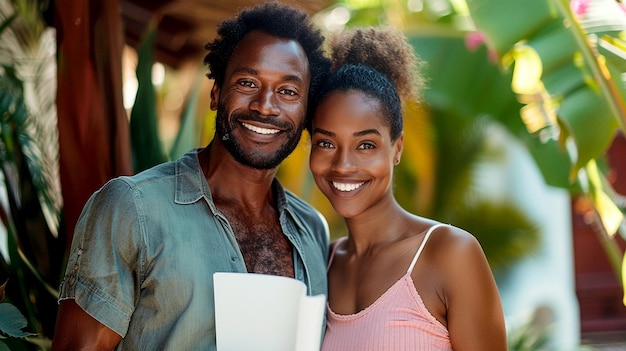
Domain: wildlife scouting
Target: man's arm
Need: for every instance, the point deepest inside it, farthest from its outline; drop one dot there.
(76, 330)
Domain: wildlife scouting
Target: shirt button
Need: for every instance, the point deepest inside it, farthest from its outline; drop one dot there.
(72, 280)
(80, 252)
(76, 267)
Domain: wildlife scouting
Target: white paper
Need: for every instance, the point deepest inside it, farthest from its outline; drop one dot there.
(266, 313)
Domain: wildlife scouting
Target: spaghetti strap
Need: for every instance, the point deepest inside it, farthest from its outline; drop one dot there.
(333, 248)
(419, 251)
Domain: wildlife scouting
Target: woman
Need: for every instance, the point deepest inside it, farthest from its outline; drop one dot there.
(398, 281)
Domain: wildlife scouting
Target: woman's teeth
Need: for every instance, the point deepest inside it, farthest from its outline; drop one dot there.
(347, 186)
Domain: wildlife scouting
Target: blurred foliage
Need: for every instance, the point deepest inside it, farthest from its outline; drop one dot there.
(31, 209)
(568, 60)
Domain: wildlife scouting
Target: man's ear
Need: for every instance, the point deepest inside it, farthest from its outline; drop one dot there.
(215, 96)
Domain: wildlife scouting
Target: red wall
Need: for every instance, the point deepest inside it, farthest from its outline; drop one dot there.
(597, 285)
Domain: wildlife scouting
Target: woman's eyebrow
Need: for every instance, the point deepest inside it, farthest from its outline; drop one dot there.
(366, 132)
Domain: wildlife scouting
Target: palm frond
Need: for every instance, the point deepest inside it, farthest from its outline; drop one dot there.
(34, 63)
(188, 134)
(146, 144)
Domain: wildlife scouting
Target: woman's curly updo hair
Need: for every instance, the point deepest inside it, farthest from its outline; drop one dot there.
(380, 63)
(276, 19)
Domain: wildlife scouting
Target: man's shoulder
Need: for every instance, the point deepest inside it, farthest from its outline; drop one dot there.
(124, 185)
(306, 213)
(296, 203)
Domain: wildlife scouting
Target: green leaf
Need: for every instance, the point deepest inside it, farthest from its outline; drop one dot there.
(552, 161)
(590, 122)
(3, 346)
(504, 22)
(583, 107)
(624, 277)
(145, 141)
(613, 51)
(12, 321)
(7, 22)
(188, 134)
(553, 56)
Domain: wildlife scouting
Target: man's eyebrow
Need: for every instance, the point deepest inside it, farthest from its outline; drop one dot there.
(248, 70)
(254, 72)
(293, 78)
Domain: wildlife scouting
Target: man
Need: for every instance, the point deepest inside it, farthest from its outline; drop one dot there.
(140, 272)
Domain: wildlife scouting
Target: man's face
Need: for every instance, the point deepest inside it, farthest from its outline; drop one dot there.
(261, 105)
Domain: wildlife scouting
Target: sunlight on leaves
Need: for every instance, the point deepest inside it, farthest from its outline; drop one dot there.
(528, 69)
(540, 110)
(624, 278)
(609, 213)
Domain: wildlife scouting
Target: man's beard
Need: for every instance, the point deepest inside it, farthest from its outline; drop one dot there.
(253, 158)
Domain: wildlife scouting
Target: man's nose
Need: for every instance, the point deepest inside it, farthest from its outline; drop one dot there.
(265, 103)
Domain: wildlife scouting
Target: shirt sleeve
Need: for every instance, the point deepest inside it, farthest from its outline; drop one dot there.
(104, 267)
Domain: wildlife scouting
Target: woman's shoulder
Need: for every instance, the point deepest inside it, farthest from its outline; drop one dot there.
(449, 244)
(455, 238)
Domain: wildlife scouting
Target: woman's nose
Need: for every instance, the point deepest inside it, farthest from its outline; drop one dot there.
(344, 162)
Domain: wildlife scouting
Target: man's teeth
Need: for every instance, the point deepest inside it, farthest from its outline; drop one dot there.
(347, 186)
(260, 130)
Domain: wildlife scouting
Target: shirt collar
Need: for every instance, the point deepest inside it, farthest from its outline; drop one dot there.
(191, 185)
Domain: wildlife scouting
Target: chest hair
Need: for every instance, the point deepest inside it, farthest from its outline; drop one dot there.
(265, 249)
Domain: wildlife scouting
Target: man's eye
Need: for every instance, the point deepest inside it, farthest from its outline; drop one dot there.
(288, 92)
(247, 84)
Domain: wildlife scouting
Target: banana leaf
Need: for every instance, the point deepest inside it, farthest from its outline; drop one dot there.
(146, 144)
(188, 135)
(583, 45)
(583, 110)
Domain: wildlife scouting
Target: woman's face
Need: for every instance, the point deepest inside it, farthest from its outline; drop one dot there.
(352, 155)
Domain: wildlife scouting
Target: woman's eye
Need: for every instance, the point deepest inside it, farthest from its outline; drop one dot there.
(366, 146)
(324, 144)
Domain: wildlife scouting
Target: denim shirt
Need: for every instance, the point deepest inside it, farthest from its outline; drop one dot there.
(145, 249)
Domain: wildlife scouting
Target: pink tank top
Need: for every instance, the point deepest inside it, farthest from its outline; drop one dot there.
(397, 320)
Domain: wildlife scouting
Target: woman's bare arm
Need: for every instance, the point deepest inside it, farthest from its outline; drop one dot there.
(475, 316)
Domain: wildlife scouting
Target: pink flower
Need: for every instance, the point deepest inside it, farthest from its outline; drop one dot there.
(579, 7)
(474, 40)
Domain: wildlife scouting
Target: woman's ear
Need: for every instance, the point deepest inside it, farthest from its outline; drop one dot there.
(398, 149)
(215, 97)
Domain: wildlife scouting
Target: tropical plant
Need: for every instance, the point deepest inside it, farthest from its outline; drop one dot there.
(147, 146)
(12, 322)
(29, 154)
(567, 59)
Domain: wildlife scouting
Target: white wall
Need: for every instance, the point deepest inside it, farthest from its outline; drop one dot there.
(546, 278)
